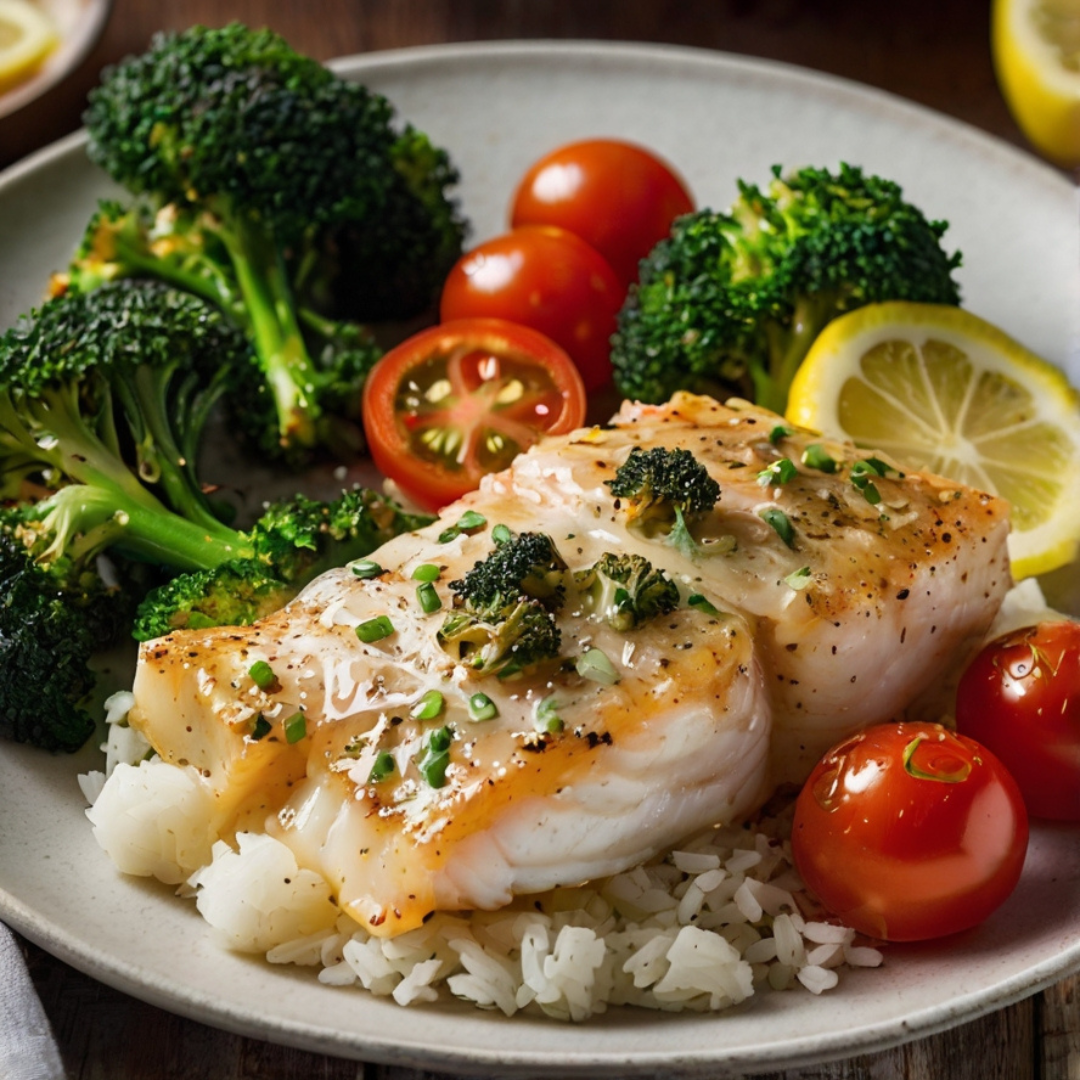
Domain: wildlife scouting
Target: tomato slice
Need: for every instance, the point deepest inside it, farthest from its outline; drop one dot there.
(460, 400)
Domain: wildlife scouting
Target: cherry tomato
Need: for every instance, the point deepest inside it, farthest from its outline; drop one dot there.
(616, 196)
(548, 279)
(1021, 697)
(463, 399)
(907, 831)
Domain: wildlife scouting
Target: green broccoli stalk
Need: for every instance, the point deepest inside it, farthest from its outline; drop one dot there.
(503, 618)
(626, 591)
(249, 160)
(729, 304)
(292, 543)
(103, 397)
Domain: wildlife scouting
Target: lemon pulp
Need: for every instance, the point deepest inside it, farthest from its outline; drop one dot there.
(940, 389)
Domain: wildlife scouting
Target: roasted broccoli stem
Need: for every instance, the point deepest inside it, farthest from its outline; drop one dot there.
(626, 591)
(268, 184)
(730, 303)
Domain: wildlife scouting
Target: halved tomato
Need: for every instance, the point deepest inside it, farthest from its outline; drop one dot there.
(463, 399)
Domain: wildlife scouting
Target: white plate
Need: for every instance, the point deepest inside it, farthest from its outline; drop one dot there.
(496, 108)
(79, 24)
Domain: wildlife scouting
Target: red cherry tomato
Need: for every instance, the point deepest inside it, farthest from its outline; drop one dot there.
(908, 831)
(1021, 697)
(548, 279)
(616, 196)
(457, 401)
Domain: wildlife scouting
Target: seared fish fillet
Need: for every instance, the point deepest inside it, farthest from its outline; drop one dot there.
(876, 586)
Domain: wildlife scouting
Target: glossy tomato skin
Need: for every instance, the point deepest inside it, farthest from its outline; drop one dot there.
(615, 195)
(908, 832)
(459, 400)
(1021, 697)
(546, 278)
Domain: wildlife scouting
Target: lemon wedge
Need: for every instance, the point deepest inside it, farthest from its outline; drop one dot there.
(1036, 50)
(939, 388)
(27, 36)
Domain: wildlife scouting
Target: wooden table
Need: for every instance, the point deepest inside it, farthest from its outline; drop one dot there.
(935, 52)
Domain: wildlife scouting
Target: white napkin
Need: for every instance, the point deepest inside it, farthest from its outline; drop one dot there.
(27, 1048)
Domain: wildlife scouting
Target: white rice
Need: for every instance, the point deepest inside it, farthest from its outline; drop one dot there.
(718, 920)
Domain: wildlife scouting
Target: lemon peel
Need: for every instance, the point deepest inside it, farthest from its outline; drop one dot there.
(1036, 50)
(939, 388)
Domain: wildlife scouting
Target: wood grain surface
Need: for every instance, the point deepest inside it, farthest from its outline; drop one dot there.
(935, 52)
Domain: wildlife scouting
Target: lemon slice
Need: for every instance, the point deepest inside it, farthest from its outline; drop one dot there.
(27, 36)
(1036, 50)
(941, 389)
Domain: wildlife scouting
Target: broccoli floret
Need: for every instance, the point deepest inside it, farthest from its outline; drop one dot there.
(52, 620)
(503, 618)
(626, 591)
(503, 637)
(730, 303)
(526, 564)
(103, 397)
(656, 486)
(251, 162)
(291, 544)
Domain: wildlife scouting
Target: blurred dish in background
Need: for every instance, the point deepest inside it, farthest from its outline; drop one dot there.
(1036, 48)
(47, 39)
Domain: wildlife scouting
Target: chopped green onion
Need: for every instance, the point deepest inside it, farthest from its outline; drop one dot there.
(468, 521)
(366, 568)
(779, 432)
(779, 472)
(547, 716)
(815, 456)
(781, 524)
(262, 674)
(481, 707)
(428, 597)
(861, 473)
(501, 533)
(435, 756)
(702, 604)
(383, 767)
(374, 629)
(594, 664)
(429, 706)
(426, 572)
(799, 579)
(261, 728)
(295, 727)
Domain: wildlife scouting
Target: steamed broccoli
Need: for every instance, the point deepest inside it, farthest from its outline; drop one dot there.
(626, 591)
(103, 397)
(291, 544)
(503, 618)
(730, 303)
(526, 564)
(266, 182)
(662, 491)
